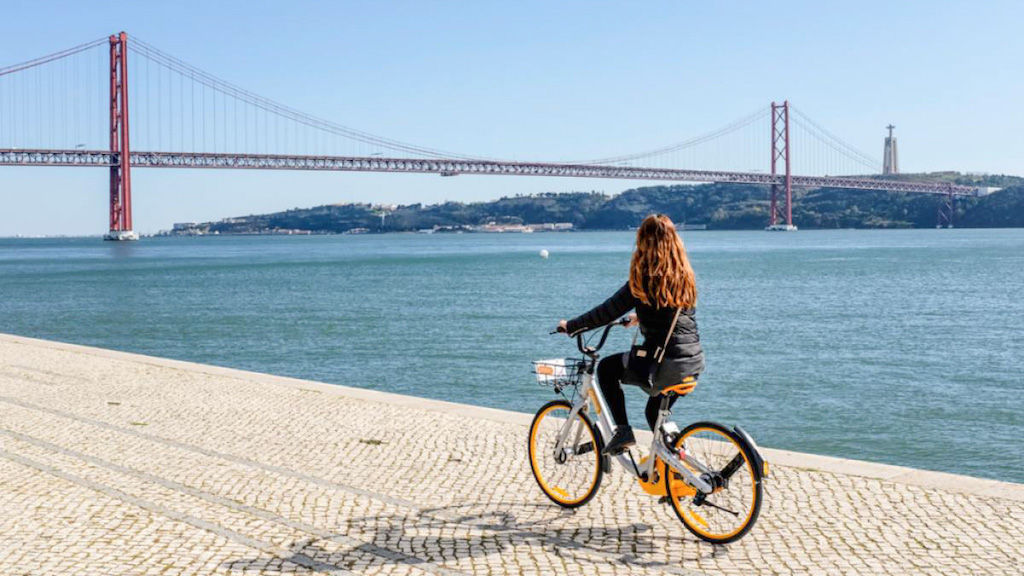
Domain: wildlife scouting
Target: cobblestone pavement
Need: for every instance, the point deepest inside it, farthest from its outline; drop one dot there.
(113, 465)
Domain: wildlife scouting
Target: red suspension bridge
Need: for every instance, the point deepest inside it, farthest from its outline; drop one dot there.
(71, 108)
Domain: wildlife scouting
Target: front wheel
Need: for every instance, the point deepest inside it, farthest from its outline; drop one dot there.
(569, 474)
(730, 511)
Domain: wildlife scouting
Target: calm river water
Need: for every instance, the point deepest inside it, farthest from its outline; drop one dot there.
(904, 347)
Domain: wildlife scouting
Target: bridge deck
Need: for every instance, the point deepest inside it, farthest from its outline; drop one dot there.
(453, 167)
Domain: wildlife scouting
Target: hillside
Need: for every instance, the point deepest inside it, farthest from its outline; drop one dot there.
(718, 206)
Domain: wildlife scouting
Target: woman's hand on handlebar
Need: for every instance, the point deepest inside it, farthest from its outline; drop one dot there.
(563, 327)
(625, 321)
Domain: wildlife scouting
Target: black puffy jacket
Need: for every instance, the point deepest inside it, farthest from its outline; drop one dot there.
(683, 356)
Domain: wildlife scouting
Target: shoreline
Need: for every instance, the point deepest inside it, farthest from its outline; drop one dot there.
(928, 479)
(150, 235)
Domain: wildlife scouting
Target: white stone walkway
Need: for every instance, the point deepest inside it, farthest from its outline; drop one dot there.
(117, 464)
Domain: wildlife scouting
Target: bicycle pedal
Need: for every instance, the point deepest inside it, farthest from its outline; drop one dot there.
(663, 500)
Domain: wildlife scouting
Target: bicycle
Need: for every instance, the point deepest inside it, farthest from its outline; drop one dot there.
(709, 473)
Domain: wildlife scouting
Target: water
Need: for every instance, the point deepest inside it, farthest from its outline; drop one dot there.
(904, 347)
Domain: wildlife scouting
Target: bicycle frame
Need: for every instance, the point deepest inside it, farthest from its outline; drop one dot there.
(592, 397)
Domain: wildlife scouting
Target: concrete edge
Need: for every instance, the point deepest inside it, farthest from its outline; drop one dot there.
(814, 462)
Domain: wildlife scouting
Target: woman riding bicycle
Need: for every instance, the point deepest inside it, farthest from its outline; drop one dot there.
(661, 287)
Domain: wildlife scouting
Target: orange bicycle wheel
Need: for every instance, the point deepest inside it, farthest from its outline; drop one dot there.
(571, 475)
(731, 510)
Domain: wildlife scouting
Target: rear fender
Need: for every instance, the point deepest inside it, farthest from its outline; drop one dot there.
(760, 466)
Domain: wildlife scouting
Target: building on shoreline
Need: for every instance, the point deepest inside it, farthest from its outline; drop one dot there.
(493, 227)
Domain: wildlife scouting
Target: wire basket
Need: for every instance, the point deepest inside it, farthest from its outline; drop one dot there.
(558, 372)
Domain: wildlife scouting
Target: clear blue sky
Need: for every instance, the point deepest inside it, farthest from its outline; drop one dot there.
(533, 79)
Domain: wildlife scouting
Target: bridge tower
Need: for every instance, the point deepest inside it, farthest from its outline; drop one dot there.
(781, 217)
(120, 172)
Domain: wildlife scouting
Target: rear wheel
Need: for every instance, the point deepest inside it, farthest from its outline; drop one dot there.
(731, 510)
(570, 475)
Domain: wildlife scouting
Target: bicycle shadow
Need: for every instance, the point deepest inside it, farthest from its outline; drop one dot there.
(636, 544)
(439, 538)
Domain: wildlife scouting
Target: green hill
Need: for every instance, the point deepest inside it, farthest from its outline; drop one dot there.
(718, 206)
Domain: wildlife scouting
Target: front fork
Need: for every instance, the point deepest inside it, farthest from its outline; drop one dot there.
(605, 426)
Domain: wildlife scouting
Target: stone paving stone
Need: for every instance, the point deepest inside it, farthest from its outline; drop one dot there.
(120, 466)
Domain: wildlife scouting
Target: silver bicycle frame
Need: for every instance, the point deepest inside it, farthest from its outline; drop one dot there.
(591, 396)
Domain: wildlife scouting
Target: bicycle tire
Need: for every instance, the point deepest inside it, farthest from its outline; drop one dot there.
(693, 520)
(555, 493)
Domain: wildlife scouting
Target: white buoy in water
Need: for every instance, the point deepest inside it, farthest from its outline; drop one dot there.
(544, 254)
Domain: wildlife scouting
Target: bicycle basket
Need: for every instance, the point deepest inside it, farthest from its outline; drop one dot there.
(558, 372)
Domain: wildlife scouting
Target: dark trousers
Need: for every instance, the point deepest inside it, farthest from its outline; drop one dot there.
(609, 375)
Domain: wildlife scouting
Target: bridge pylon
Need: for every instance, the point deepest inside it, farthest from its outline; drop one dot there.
(781, 215)
(947, 207)
(120, 169)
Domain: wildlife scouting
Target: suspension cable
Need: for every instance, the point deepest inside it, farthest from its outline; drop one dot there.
(50, 57)
(728, 128)
(833, 141)
(269, 106)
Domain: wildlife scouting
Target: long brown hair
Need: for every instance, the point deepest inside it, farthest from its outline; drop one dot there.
(660, 274)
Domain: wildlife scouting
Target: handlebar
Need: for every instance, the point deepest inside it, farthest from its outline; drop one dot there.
(592, 350)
